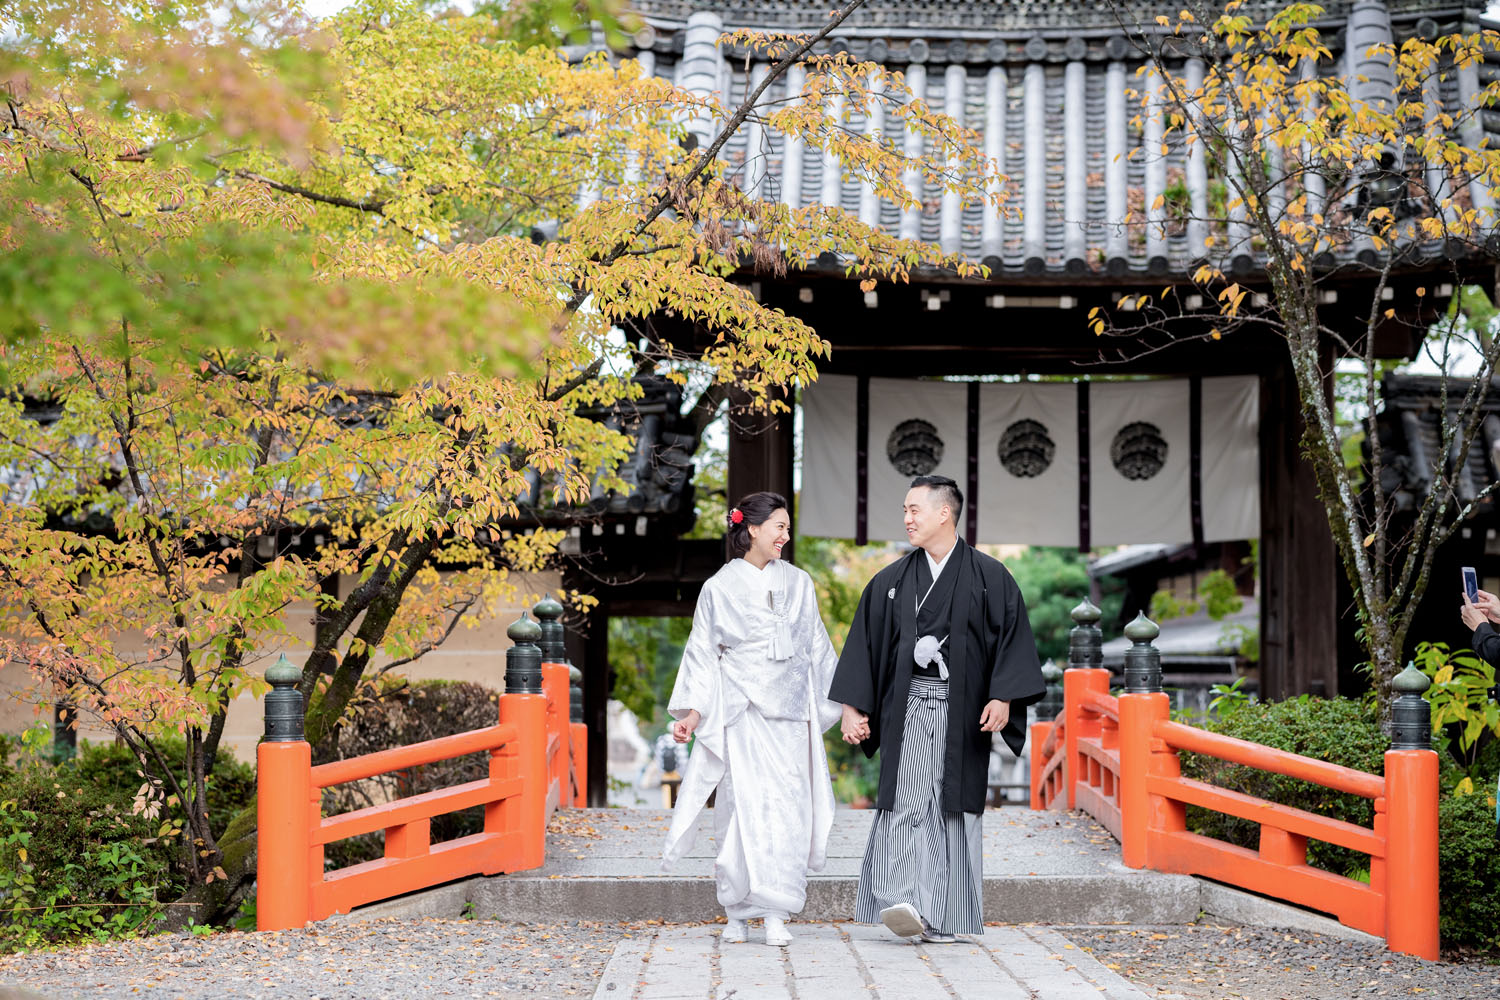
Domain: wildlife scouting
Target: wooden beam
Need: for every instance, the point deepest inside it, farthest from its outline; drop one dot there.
(1299, 566)
(588, 648)
(760, 454)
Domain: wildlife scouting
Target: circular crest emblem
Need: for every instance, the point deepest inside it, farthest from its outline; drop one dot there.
(914, 448)
(1139, 451)
(1026, 449)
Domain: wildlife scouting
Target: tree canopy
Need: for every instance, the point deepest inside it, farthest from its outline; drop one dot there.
(1331, 178)
(274, 314)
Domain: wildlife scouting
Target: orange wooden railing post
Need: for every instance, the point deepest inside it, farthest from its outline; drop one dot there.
(566, 702)
(283, 766)
(1045, 712)
(1139, 712)
(580, 741)
(1085, 654)
(1038, 737)
(1079, 722)
(525, 815)
(1142, 704)
(1075, 683)
(1411, 799)
(555, 687)
(524, 706)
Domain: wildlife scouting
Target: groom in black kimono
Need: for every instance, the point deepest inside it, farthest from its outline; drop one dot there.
(939, 658)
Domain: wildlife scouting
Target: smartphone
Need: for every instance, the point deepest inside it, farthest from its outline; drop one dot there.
(1471, 584)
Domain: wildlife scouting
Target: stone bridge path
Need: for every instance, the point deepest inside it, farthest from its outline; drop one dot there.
(840, 961)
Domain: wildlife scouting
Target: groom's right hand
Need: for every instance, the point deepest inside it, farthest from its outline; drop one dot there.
(855, 726)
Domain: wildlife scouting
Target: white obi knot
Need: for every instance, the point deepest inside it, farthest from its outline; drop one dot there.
(930, 650)
(779, 647)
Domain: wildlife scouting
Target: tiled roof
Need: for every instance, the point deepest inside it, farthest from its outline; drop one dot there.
(659, 467)
(952, 18)
(1044, 82)
(1411, 435)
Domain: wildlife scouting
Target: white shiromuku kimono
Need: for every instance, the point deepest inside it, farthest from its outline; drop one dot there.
(756, 667)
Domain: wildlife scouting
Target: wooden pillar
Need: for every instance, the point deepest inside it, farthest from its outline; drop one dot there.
(760, 455)
(588, 648)
(1299, 567)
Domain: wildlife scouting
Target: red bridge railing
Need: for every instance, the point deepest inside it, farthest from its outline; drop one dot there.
(537, 762)
(1116, 758)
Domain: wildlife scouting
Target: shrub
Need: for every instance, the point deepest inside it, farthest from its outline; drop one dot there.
(1465, 720)
(1336, 730)
(1468, 871)
(75, 862)
(113, 768)
(392, 714)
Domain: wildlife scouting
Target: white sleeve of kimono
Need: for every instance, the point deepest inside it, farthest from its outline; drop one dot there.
(698, 675)
(823, 658)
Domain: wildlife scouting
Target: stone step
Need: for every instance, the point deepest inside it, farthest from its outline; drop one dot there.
(1148, 898)
(605, 864)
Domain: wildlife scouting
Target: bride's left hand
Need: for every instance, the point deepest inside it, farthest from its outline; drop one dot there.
(683, 728)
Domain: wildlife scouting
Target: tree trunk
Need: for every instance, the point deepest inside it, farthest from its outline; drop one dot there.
(219, 901)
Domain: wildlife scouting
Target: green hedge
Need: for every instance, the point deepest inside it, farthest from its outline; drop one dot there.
(112, 767)
(75, 863)
(1469, 863)
(1336, 730)
(78, 860)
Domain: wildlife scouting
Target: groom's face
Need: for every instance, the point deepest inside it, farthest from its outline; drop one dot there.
(925, 517)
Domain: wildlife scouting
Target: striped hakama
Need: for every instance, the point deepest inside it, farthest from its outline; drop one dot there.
(917, 853)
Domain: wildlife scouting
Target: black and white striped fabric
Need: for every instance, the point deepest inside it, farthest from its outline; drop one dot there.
(917, 853)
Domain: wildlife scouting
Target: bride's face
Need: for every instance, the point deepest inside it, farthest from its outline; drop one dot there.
(767, 538)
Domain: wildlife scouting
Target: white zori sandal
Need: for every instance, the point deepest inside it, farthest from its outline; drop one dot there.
(902, 920)
(735, 932)
(776, 933)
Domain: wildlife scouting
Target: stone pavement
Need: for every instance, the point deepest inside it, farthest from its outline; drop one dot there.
(1039, 867)
(847, 961)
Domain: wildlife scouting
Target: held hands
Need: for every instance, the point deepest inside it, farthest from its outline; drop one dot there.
(855, 726)
(683, 728)
(994, 717)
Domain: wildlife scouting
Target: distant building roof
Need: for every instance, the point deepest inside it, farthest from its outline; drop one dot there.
(658, 469)
(1128, 557)
(1411, 433)
(1196, 642)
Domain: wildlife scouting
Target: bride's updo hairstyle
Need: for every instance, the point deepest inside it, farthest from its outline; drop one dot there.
(756, 508)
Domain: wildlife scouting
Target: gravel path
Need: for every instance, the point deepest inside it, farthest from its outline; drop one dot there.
(351, 959)
(344, 960)
(1207, 962)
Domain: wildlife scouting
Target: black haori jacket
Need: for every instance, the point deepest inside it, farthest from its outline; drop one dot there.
(991, 654)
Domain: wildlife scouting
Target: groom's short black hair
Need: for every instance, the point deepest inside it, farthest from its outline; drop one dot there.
(947, 492)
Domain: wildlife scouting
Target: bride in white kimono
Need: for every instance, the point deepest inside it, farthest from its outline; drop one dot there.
(751, 692)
